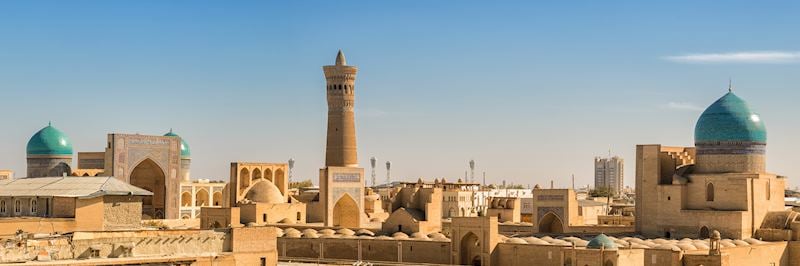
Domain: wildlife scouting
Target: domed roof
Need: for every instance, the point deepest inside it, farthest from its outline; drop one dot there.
(265, 192)
(730, 119)
(49, 141)
(185, 152)
(601, 241)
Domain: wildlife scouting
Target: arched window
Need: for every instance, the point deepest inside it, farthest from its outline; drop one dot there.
(710, 192)
(769, 191)
(17, 207)
(704, 232)
(34, 206)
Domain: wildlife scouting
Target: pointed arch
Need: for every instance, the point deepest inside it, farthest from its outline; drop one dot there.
(268, 175)
(710, 192)
(345, 212)
(186, 199)
(201, 198)
(150, 176)
(256, 174)
(470, 249)
(244, 180)
(217, 198)
(704, 232)
(550, 223)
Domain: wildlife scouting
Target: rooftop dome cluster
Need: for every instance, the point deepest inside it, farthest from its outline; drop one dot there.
(610, 242)
(360, 234)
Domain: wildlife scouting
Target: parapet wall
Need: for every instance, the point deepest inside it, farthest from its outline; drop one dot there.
(237, 246)
(19, 250)
(36, 225)
(354, 249)
(516, 254)
(149, 243)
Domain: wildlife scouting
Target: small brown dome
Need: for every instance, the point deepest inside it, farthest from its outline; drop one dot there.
(265, 192)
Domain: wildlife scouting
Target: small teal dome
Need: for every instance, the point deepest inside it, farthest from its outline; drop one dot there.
(601, 241)
(49, 141)
(730, 119)
(185, 152)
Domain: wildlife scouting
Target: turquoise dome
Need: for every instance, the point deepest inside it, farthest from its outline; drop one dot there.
(601, 241)
(49, 141)
(185, 152)
(730, 119)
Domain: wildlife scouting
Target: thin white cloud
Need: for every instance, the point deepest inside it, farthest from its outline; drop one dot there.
(681, 106)
(751, 57)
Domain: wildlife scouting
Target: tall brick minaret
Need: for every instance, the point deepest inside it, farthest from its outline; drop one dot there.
(341, 146)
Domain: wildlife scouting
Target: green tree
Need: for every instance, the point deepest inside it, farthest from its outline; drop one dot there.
(601, 192)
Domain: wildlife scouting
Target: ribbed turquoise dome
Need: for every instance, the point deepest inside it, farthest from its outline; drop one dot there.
(601, 241)
(185, 152)
(730, 119)
(49, 141)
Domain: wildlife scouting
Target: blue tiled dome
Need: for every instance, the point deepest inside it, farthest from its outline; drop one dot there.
(730, 119)
(49, 141)
(185, 152)
(601, 241)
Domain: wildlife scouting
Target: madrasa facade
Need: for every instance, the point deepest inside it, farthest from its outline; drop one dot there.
(159, 164)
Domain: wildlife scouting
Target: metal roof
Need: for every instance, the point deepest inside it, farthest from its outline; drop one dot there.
(71, 187)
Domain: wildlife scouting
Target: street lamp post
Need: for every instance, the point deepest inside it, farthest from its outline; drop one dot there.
(291, 166)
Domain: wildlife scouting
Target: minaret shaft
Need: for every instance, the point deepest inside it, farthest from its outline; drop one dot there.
(341, 143)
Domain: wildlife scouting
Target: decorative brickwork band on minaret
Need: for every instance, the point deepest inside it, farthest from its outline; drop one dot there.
(341, 145)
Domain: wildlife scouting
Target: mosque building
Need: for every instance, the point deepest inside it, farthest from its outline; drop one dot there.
(720, 184)
(159, 164)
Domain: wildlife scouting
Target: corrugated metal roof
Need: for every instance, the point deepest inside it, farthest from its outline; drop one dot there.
(74, 187)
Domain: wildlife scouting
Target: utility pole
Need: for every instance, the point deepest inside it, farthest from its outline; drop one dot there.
(388, 172)
(472, 170)
(372, 162)
(291, 166)
(573, 181)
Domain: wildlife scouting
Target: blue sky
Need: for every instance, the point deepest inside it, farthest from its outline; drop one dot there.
(531, 91)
